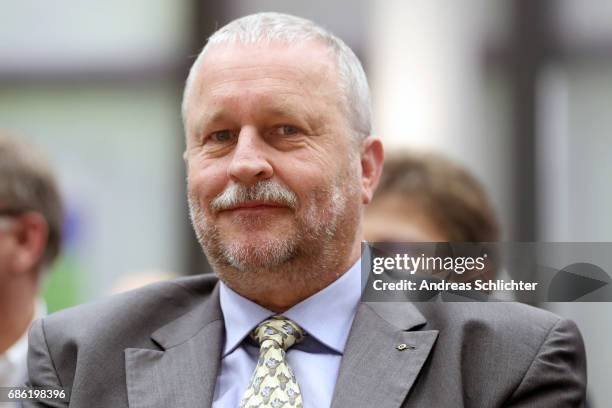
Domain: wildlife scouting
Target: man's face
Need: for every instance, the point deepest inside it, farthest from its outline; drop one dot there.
(270, 174)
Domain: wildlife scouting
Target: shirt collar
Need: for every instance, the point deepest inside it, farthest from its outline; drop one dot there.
(327, 315)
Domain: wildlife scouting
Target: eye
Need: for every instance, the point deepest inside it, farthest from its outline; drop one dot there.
(286, 130)
(221, 136)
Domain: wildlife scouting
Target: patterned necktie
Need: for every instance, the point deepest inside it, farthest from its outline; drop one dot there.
(273, 384)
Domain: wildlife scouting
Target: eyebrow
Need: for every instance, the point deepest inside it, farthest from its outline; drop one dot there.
(284, 110)
(290, 111)
(209, 117)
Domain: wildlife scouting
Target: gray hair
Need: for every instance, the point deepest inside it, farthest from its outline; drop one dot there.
(27, 183)
(269, 27)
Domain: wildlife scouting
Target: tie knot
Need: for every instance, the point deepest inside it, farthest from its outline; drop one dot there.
(284, 332)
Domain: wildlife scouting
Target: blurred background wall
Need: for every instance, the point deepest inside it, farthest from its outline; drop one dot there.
(519, 91)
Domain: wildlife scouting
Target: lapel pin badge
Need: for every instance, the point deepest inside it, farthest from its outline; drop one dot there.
(404, 346)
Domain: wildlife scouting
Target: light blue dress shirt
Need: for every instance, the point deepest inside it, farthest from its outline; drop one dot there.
(326, 316)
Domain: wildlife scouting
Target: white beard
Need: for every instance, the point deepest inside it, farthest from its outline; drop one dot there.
(312, 234)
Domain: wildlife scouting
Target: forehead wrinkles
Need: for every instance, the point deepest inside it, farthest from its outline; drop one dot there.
(263, 88)
(278, 85)
(226, 79)
(220, 72)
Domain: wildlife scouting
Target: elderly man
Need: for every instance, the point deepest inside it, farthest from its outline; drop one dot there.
(30, 239)
(280, 164)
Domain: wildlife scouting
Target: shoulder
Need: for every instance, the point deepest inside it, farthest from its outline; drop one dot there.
(506, 332)
(508, 318)
(499, 327)
(510, 349)
(140, 310)
(513, 335)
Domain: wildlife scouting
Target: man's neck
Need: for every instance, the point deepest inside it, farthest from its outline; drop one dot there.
(283, 287)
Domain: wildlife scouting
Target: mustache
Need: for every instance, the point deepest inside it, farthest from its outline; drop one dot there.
(266, 190)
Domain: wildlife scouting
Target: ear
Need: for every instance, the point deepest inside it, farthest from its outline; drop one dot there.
(31, 234)
(372, 157)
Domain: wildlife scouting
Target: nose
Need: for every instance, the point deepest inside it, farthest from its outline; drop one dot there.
(249, 163)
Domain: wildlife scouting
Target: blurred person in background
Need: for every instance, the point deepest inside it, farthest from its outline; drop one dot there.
(31, 218)
(426, 197)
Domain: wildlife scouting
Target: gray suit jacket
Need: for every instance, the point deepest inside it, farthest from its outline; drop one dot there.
(160, 346)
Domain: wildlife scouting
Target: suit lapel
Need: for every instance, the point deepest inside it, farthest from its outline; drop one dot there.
(374, 372)
(184, 372)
